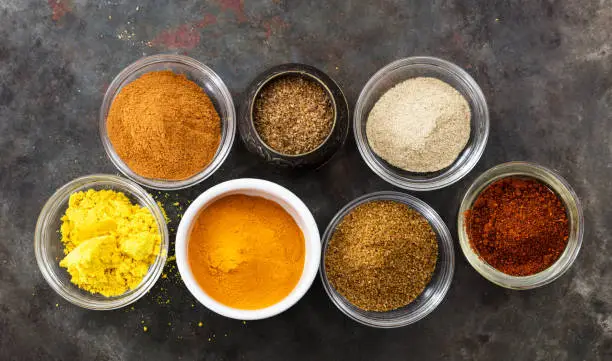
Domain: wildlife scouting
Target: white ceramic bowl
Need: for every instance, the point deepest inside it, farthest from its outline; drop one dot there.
(261, 188)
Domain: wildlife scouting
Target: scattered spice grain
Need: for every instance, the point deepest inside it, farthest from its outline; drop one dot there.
(293, 114)
(164, 126)
(518, 226)
(381, 256)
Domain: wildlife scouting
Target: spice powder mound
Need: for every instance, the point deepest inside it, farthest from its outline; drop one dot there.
(108, 241)
(420, 125)
(293, 114)
(518, 226)
(164, 126)
(246, 252)
(381, 256)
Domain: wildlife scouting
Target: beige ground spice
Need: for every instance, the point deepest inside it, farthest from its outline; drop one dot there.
(419, 125)
(381, 256)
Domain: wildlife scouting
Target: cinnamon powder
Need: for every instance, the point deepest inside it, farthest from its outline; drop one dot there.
(164, 126)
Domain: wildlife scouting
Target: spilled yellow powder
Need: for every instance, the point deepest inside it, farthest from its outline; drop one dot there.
(108, 241)
(161, 206)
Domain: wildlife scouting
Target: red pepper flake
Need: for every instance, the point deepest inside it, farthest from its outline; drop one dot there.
(518, 226)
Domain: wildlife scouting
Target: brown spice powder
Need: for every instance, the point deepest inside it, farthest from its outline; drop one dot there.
(381, 256)
(293, 114)
(164, 126)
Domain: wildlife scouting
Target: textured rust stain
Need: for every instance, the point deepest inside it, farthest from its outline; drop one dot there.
(59, 8)
(273, 25)
(208, 19)
(457, 40)
(185, 36)
(235, 6)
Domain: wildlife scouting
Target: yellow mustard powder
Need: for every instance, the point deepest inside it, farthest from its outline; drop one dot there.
(108, 241)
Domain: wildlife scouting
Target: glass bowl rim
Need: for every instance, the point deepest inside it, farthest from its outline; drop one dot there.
(61, 195)
(445, 178)
(567, 258)
(225, 145)
(445, 244)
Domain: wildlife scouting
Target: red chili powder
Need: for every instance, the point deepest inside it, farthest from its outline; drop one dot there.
(517, 225)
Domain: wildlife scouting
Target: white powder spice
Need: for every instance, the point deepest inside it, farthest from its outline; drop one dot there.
(420, 125)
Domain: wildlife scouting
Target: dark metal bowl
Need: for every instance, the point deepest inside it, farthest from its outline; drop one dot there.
(323, 152)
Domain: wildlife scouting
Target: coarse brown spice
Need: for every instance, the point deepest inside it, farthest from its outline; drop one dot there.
(381, 256)
(293, 114)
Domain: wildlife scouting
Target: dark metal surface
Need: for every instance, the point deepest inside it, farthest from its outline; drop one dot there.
(544, 67)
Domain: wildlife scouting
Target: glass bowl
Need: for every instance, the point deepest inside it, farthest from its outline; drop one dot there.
(316, 157)
(421, 66)
(49, 249)
(435, 291)
(196, 72)
(574, 214)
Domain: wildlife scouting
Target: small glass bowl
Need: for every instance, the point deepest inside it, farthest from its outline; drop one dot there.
(316, 157)
(422, 66)
(195, 71)
(49, 249)
(574, 214)
(435, 291)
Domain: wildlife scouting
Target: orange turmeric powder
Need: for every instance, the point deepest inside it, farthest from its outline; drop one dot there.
(246, 252)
